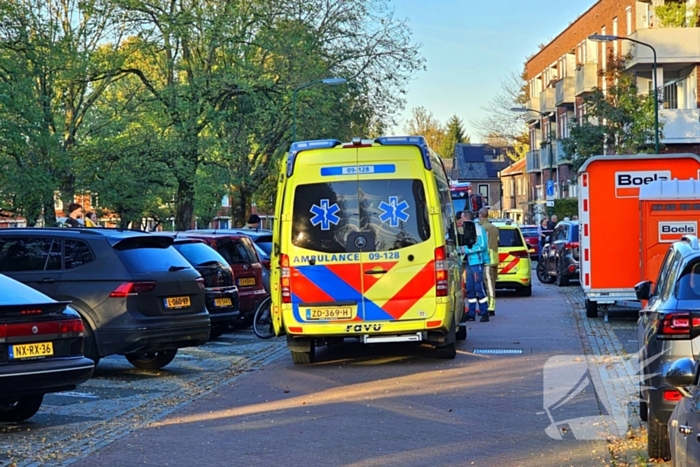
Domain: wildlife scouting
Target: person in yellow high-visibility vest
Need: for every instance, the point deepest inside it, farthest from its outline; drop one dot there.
(490, 269)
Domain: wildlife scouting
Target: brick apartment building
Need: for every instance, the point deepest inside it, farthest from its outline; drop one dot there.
(567, 68)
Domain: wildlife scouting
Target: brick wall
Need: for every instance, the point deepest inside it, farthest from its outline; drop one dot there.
(591, 22)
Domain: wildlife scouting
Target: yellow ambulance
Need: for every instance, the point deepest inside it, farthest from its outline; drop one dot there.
(365, 247)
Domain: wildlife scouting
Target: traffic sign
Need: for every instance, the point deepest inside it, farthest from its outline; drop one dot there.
(550, 189)
(550, 203)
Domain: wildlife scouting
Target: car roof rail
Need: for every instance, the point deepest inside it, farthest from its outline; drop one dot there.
(691, 240)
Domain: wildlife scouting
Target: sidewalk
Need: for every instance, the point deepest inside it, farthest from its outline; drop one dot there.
(614, 373)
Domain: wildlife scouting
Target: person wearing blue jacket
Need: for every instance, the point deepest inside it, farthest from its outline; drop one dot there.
(476, 255)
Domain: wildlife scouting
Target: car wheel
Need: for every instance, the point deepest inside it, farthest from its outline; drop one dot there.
(23, 408)
(90, 344)
(542, 275)
(305, 358)
(525, 291)
(218, 329)
(562, 280)
(151, 360)
(591, 309)
(658, 444)
(449, 350)
(461, 333)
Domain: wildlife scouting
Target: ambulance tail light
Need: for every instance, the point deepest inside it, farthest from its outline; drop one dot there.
(285, 279)
(520, 253)
(441, 281)
(676, 325)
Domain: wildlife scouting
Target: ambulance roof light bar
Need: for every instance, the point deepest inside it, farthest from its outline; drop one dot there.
(299, 146)
(417, 141)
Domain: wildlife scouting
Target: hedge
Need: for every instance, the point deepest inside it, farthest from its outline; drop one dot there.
(565, 207)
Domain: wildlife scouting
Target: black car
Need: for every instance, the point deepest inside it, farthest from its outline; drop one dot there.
(137, 295)
(559, 261)
(664, 327)
(221, 293)
(41, 349)
(684, 424)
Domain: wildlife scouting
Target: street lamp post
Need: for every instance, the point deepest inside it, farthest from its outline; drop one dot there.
(550, 143)
(610, 38)
(326, 81)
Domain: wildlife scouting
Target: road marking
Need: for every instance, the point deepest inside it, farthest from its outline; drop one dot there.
(499, 351)
(86, 395)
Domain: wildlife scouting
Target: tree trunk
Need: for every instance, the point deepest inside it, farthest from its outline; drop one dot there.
(184, 204)
(49, 215)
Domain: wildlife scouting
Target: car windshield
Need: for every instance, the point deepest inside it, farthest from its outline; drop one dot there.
(688, 285)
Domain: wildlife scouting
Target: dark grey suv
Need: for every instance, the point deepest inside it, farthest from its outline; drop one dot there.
(664, 327)
(137, 295)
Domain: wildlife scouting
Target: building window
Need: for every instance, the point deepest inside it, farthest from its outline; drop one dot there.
(223, 223)
(225, 201)
(614, 33)
(563, 124)
(484, 192)
(670, 95)
(628, 12)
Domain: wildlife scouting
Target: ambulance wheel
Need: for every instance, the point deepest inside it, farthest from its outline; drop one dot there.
(461, 332)
(525, 291)
(449, 350)
(305, 358)
(591, 309)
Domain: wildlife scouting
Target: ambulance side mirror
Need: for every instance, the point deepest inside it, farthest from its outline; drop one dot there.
(643, 290)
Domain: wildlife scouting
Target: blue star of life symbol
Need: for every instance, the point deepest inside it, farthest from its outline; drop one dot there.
(325, 215)
(394, 211)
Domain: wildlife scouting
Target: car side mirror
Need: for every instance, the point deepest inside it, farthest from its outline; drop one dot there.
(681, 373)
(643, 290)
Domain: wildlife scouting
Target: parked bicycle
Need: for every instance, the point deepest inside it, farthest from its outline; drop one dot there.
(262, 320)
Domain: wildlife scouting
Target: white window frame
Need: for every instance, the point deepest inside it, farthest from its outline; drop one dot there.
(628, 15)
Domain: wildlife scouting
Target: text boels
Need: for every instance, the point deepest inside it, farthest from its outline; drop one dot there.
(689, 229)
(628, 179)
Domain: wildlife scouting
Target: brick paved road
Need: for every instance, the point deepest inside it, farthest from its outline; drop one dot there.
(395, 405)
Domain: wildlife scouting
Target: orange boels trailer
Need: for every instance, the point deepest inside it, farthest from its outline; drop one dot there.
(670, 209)
(609, 220)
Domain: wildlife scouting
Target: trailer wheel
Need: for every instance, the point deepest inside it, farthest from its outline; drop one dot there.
(591, 309)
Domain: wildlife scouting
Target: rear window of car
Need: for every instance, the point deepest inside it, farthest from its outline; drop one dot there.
(198, 253)
(152, 259)
(688, 285)
(509, 238)
(327, 214)
(238, 250)
(265, 243)
(529, 231)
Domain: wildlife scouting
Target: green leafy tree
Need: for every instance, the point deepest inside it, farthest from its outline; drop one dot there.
(618, 121)
(454, 134)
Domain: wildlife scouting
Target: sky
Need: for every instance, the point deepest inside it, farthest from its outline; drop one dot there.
(471, 45)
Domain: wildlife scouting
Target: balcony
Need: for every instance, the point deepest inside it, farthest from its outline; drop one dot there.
(680, 125)
(532, 161)
(531, 117)
(560, 156)
(565, 91)
(545, 157)
(547, 101)
(673, 46)
(586, 78)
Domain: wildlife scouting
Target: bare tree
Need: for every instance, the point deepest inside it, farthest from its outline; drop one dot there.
(424, 123)
(501, 123)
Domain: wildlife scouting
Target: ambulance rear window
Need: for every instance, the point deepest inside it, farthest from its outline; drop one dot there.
(327, 216)
(509, 238)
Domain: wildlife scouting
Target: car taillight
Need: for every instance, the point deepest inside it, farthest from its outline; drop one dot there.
(672, 395)
(73, 325)
(266, 263)
(520, 253)
(3, 333)
(285, 279)
(200, 283)
(30, 312)
(676, 325)
(132, 288)
(441, 283)
(571, 245)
